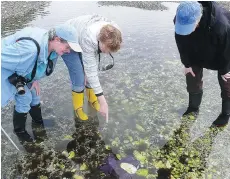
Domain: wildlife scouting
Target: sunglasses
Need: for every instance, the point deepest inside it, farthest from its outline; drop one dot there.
(107, 67)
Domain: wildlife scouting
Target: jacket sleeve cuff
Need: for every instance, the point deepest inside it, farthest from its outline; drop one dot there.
(187, 66)
(99, 94)
(223, 72)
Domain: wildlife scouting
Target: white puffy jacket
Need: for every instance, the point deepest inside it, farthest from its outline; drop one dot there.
(88, 28)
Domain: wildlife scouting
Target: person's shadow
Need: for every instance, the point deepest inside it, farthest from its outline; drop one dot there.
(172, 150)
(196, 154)
(39, 136)
(182, 157)
(89, 146)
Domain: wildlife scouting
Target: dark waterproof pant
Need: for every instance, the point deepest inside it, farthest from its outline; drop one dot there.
(195, 84)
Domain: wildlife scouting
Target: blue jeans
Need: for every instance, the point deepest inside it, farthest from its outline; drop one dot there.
(77, 76)
(25, 101)
(76, 70)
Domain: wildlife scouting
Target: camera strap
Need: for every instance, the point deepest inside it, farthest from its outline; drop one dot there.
(38, 51)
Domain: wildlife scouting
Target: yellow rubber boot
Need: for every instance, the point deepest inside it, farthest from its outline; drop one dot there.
(78, 100)
(92, 98)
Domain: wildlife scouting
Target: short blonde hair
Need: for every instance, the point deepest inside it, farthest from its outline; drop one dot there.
(111, 37)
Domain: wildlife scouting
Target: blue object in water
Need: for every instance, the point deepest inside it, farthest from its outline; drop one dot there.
(124, 168)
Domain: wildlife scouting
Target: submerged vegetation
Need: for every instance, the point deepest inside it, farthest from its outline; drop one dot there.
(90, 145)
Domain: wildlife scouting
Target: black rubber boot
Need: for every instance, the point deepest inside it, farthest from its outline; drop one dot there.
(36, 114)
(223, 118)
(194, 103)
(19, 122)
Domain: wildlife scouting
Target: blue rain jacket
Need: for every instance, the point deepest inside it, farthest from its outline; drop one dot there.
(21, 56)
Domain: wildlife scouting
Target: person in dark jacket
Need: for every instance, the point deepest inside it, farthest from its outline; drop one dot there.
(202, 34)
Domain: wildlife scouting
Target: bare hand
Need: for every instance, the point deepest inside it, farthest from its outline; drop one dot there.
(37, 87)
(104, 109)
(226, 76)
(189, 70)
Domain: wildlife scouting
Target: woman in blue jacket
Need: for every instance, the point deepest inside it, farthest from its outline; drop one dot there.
(26, 57)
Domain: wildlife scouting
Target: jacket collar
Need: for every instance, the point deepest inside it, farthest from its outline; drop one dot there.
(209, 14)
(44, 50)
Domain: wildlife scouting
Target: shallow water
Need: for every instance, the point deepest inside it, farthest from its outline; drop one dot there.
(146, 95)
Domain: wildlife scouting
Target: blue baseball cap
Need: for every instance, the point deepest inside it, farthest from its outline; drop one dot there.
(187, 15)
(69, 34)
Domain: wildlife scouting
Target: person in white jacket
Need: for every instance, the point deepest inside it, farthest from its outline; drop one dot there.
(96, 34)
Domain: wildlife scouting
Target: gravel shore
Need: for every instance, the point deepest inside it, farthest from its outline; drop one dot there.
(149, 5)
(14, 8)
(16, 15)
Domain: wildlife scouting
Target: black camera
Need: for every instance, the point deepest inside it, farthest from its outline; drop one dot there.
(19, 82)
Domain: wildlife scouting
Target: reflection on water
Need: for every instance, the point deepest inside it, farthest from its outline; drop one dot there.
(146, 95)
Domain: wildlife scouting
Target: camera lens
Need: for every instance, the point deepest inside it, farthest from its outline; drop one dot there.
(19, 82)
(20, 88)
(21, 91)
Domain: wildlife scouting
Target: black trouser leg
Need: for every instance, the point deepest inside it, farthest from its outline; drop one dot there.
(223, 118)
(195, 90)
